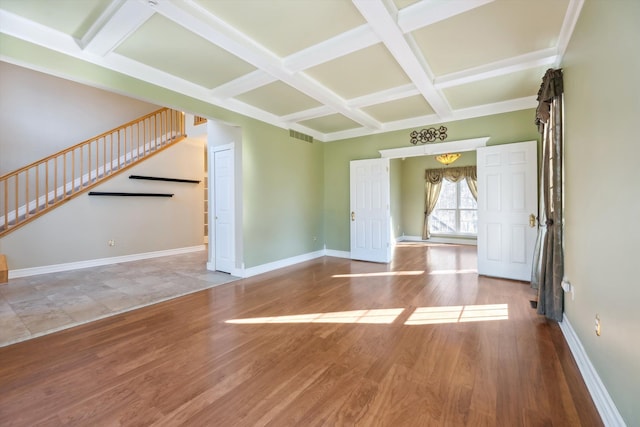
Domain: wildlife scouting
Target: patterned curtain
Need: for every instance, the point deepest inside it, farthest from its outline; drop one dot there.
(472, 181)
(433, 183)
(548, 263)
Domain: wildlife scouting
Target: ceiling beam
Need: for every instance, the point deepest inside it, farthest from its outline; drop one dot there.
(246, 83)
(343, 44)
(33, 32)
(387, 95)
(117, 22)
(195, 18)
(311, 113)
(427, 12)
(568, 25)
(498, 68)
(433, 119)
(384, 24)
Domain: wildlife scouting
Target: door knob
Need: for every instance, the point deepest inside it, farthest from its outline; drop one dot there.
(532, 220)
(353, 216)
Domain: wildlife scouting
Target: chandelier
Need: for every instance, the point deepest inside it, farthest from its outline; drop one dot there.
(448, 158)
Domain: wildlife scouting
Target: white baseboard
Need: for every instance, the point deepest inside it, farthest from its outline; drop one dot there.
(24, 272)
(265, 268)
(601, 398)
(337, 254)
(450, 240)
(237, 272)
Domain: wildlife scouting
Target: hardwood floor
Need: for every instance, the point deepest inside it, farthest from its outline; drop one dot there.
(331, 342)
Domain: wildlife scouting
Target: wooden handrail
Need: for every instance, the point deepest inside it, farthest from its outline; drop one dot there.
(35, 188)
(73, 147)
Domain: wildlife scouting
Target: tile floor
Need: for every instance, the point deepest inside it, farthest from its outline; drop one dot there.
(37, 305)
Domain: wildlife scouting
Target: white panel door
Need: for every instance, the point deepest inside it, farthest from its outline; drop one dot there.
(507, 197)
(223, 210)
(370, 212)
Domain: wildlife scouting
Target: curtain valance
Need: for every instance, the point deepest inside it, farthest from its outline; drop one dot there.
(435, 176)
(551, 88)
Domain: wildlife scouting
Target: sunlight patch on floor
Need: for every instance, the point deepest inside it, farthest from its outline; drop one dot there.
(378, 316)
(420, 316)
(458, 314)
(382, 273)
(443, 272)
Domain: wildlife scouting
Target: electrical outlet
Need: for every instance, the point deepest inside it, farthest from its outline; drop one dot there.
(568, 287)
(597, 325)
(111, 242)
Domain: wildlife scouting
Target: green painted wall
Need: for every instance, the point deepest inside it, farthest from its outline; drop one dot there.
(602, 208)
(282, 193)
(502, 128)
(282, 177)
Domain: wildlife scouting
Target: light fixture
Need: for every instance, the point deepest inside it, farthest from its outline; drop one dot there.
(448, 158)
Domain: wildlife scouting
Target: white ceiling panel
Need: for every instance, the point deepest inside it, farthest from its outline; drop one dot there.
(162, 44)
(372, 69)
(330, 68)
(330, 124)
(492, 32)
(400, 109)
(279, 99)
(496, 89)
(287, 26)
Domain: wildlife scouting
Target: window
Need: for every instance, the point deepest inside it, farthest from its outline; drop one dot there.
(456, 211)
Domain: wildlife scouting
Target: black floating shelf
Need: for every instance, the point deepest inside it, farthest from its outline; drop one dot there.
(157, 178)
(107, 193)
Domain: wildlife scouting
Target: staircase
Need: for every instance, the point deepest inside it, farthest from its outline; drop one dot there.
(31, 191)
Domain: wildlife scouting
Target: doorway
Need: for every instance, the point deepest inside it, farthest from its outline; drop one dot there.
(224, 216)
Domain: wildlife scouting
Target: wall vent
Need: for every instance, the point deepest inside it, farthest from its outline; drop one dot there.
(300, 135)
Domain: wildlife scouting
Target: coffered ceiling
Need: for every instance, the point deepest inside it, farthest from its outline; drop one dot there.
(331, 69)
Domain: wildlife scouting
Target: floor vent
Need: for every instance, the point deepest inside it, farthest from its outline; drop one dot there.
(300, 135)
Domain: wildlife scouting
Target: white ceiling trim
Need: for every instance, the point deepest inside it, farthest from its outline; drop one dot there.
(435, 148)
(498, 68)
(123, 17)
(117, 22)
(246, 83)
(311, 113)
(387, 95)
(385, 26)
(431, 119)
(496, 108)
(35, 33)
(343, 44)
(239, 106)
(568, 25)
(24, 29)
(228, 38)
(411, 17)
